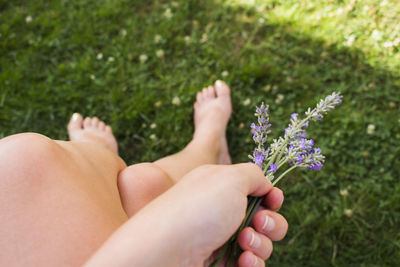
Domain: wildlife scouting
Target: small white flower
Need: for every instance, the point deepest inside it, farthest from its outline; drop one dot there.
(366, 8)
(261, 20)
(168, 13)
(225, 73)
(388, 44)
(204, 38)
(28, 19)
(241, 125)
(340, 10)
(371, 129)
(153, 137)
(160, 53)
(111, 59)
(176, 101)
(143, 58)
(158, 104)
(348, 212)
(188, 40)
(350, 40)
(153, 126)
(396, 42)
(279, 99)
(123, 32)
(99, 56)
(157, 38)
(246, 102)
(376, 35)
(383, 3)
(344, 192)
(267, 88)
(92, 77)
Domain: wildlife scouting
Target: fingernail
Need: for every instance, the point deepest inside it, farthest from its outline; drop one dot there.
(255, 241)
(75, 116)
(255, 261)
(269, 224)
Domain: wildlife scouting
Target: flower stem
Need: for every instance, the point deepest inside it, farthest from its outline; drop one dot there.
(283, 174)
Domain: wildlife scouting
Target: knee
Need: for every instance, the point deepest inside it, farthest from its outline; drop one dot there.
(27, 152)
(140, 183)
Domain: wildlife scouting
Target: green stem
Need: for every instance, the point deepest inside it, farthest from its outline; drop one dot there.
(282, 175)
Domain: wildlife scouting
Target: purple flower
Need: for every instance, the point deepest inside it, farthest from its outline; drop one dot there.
(316, 167)
(273, 168)
(259, 158)
(306, 124)
(294, 116)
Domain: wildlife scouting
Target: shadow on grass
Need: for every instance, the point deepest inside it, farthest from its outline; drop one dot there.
(54, 69)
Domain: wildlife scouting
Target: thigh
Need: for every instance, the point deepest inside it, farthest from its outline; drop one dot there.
(57, 206)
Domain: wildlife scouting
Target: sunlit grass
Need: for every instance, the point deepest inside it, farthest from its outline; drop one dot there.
(103, 58)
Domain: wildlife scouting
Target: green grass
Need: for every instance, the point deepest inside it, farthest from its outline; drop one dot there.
(303, 50)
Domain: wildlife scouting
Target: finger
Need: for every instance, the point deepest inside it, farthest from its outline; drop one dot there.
(248, 259)
(255, 242)
(252, 179)
(271, 224)
(274, 199)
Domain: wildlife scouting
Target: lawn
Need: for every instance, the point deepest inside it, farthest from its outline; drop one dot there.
(138, 65)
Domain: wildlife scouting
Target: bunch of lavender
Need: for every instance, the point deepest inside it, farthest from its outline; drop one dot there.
(286, 153)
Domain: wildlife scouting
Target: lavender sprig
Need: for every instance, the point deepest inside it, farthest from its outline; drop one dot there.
(293, 148)
(260, 132)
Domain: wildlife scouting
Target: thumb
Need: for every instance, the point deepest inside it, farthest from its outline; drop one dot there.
(252, 180)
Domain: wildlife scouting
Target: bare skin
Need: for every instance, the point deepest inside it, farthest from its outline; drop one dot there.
(60, 201)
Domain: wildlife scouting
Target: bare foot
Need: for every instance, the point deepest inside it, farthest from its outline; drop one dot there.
(212, 111)
(91, 130)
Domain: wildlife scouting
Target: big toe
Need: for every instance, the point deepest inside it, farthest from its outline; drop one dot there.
(75, 123)
(221, 88)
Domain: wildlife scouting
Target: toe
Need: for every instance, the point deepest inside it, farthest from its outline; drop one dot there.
(102, 126)
(199, 97)
(221, 88)
(108, 129)
(259, 244)
(87, 122)
(211, 92)
(75, 122)
(204, 93)
(95, 122)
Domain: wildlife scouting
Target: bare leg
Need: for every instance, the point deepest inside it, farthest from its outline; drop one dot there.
(59, 201)
(212, 111)
(140, 183)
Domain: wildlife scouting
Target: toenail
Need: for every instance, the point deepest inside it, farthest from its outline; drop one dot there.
(269, 224)
(75, 116)
(255, 241)
(218, 83)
